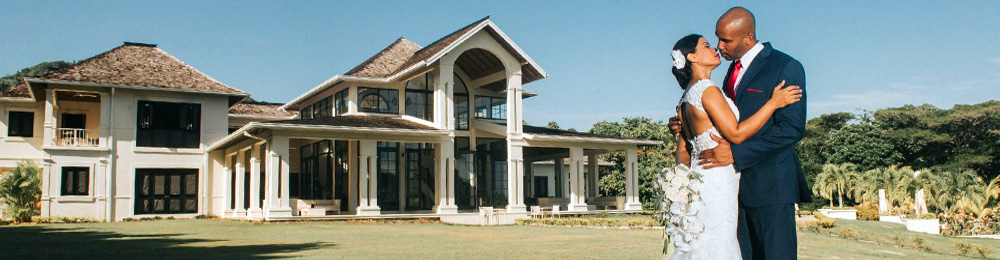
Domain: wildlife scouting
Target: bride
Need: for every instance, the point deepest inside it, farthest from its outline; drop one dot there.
(706, 111)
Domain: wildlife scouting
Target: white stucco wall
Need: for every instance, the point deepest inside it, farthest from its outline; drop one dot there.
(16, 149)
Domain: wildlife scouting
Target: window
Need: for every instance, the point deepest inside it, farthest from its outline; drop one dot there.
(75, 181)
(168, 124)
(322, 108)
(340, 102)
(166, 191)
(420, 97)
(491, 107)
(316, 177)
(20, 123)
(461, 98)
(376, 100)
(305, 113)
(541, 186)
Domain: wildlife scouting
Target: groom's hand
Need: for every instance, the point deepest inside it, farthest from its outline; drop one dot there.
(721, 155)
(675, 126)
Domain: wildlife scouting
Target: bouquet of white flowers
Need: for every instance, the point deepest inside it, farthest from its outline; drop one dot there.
(680, 201)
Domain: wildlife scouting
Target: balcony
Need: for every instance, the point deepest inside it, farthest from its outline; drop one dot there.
(77, 137)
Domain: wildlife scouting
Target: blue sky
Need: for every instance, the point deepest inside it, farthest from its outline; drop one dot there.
(606, 59)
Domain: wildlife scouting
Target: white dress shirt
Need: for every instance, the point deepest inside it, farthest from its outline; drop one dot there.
(745, 62)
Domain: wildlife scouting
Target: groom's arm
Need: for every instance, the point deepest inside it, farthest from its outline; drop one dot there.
(789, 125)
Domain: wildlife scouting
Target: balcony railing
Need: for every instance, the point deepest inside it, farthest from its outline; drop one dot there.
(77, 137)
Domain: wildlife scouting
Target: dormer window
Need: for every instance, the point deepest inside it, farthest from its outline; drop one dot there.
(377, 100)
(420, 97)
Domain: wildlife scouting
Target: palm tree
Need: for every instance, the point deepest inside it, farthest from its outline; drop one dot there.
(839, 178)
(21, 190)
(992, 192)
(901, 186)
(960, 190)
(869, 183)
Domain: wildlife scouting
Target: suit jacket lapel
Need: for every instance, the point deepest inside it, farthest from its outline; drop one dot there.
(755, 66)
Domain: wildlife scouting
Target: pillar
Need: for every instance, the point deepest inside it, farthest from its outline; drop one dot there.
(576, 183)
(368, 178)
(593, 176)
(515, 124)
(239, 209)
(443, 102)
(444, 166)
(227, 183)
(557, 179)
(632, 180)
(254, 207)
(49, 125)
(277, 178)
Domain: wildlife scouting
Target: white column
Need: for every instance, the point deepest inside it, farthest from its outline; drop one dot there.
(444, 165)
(352, 169)
(49, 124)
(515, 124)
(576, 195)
(593, 176)
(46, 193)
(255, 211)
(632, 180)
(277, 178)
(369, 178)
(443, 102)
(240, 209)
(228, 183)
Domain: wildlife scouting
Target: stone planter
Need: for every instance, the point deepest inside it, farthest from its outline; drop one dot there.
(929, 226)
(894, 219)
(851, 214)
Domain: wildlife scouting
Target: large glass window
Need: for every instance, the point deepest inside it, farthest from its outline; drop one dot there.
(420, 97)
(419, 176)
(377, 100)
(465, 194)
(20, 123)
(306, 113)
(168, 124)
(491, 172)
(322, 108)
(166, 191)
(491, 107)
(75, 181)
(461, 98)
(316, 176)
(340, 101)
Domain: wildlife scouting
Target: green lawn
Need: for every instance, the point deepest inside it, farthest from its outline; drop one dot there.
(167, 239)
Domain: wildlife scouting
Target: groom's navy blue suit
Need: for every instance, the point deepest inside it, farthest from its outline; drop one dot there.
(772, 180)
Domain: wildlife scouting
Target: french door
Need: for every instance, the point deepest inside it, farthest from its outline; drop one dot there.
(166, 191)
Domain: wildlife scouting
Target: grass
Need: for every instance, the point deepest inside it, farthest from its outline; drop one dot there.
(197, 238)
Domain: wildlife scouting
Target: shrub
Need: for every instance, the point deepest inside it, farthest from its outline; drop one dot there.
(868, 211)
(962, 247)
(983, 251)
(21, 191)
(900, 240)
(848, 233)
(821, 223)
(61, 219)
(918, 243)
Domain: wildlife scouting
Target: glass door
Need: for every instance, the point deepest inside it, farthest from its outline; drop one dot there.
(388, 176)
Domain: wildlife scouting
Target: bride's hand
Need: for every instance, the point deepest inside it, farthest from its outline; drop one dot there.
(784, 96)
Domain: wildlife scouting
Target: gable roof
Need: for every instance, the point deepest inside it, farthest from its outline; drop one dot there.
(133, 65)
(259, 110)
(386, 61)
(400, 57)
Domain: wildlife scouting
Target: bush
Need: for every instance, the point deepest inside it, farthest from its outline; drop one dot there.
(962, 247)
(590, 222)
(983, 251)
(868, 211)
(61, 220)
(21, 191)
(900, 240)
(821, 223)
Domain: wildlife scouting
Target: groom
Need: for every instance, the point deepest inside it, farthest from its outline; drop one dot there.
(772, 180)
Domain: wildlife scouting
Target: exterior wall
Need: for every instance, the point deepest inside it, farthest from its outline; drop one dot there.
(16, 149)
(547, 169)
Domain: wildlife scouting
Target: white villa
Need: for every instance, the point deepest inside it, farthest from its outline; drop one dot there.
(431, 131)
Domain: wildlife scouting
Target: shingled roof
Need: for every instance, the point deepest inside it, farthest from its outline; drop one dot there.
(387, 61)
(133, 65)
(259, 109)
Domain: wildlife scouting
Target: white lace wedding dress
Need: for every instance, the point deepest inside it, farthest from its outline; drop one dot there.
(719, 192)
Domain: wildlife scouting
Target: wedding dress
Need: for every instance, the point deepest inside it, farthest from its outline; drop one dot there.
(719, 192)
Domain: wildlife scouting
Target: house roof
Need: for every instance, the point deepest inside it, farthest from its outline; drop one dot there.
(359, 121)
(403, 56)
(386, 61)
(259, 109)
(134, 65)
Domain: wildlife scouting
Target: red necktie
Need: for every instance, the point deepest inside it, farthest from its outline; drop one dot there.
(731, 81)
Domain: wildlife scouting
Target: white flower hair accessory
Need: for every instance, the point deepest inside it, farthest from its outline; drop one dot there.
(679, 59)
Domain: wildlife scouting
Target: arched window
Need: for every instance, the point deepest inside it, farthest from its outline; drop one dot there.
(461, 98)
(377, 100)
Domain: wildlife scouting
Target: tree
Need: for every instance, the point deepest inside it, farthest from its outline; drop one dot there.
(836, 178)
(810, 149)
(651, 159)
(14, 79)
(862, 144)
(21, 191)
(552, 125)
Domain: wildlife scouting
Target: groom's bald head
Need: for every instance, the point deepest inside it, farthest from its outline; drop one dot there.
(737, 32)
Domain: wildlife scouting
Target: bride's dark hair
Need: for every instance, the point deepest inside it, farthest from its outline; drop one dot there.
(686, 45)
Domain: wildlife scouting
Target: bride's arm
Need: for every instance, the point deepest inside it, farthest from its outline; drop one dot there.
(725, 121)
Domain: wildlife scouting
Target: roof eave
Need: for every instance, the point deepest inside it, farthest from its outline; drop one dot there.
(487, 22)
(241, 94)
(344, 78)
